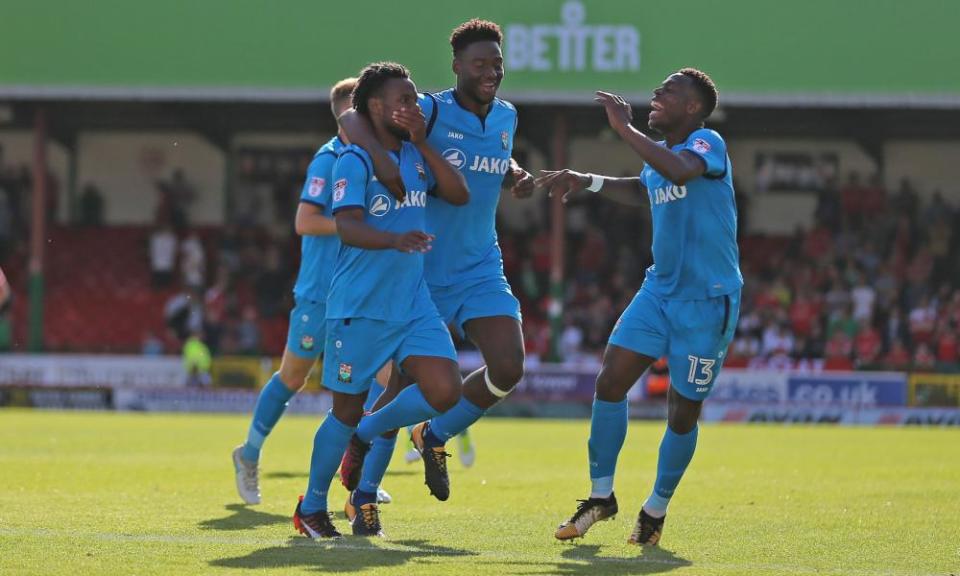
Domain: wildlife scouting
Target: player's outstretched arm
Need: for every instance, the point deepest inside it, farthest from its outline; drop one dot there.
(566, 182)
(519, 181)
(678, 168)
(360, 132)
(354, 231)
(451, 185)
(310, 221)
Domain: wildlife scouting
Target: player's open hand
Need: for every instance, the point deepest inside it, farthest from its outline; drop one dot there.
(412, 120)
(619, 112)
(523, 183)
(564, 182)
(413, 241)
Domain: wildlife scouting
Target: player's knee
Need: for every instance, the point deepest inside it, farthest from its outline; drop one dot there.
(443, 398)
(506, 372)
(609, 389)
(293, 376)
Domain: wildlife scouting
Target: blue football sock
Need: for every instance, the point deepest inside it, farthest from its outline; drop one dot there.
(361, 497)
(676, 451)
(608, 428)
(375, 391)
(376, 462)
(452, 422)
(409, 407)
(328, 445)
(271, 403)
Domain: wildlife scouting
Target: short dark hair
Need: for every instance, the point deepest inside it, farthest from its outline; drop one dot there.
(474, 30)
(705, 87)
(371, 80)
(341, 93)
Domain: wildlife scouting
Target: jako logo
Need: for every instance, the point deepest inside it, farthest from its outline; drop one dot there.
(573, 45)
(490, 165)
(380, 205)
(669, 194)
(456, 158)
(413, 199)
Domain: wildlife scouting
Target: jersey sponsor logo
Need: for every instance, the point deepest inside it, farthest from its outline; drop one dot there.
(490, 165)
(454, 135)
(669, 194)
(572, 44)
(413, 199)
(455, 157)
(316, 186)
(700, 145)
(339, 189)
(379, 205)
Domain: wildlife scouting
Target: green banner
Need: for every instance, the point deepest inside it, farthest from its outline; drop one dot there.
(561, 50)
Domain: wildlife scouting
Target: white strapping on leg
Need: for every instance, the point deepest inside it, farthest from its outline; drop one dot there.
(493, 389)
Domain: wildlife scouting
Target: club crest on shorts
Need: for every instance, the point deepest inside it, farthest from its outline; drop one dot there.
(505, 140)
(345, 374)
(306, 342)
(420, 171)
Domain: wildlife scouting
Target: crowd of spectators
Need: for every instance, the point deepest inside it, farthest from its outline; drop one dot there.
(871, 284)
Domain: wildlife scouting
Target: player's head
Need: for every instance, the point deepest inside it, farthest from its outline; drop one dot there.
(477, 59)
(685, 95)
(340, 96)
(382, 89)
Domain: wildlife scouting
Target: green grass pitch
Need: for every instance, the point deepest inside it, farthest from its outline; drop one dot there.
(107, 493)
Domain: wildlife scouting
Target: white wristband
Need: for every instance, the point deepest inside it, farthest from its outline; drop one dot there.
(596, 182)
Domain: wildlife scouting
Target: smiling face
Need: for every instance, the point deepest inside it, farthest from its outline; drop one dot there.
(479, 70)
(673, 103)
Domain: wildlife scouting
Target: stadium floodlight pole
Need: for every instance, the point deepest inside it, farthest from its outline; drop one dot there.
(557, 241)
(38, 230)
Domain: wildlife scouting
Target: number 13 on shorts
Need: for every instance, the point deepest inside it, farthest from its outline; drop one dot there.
(701, 372)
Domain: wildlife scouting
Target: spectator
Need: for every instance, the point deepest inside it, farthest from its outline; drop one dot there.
(946, 342)
(571, 341)
(844, 322)
(923, 319)
(248, 332)
(183, 314)
(152, 345)
(91, 206)
(863, 296)
(196, 361)
(923, 358)
(163, 256)
(193, 262)
(777, 341)
(898, 357)
(867, 344)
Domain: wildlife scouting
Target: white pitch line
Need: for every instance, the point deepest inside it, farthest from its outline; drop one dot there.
(387, 546)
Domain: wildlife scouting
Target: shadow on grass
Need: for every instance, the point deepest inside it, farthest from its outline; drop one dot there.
(243, 518)
(348, 554)
(585, 560)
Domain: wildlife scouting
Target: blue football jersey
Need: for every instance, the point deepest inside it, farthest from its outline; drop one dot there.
(695, 254)
(318, 254)
(380, 284)
(466, 246)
